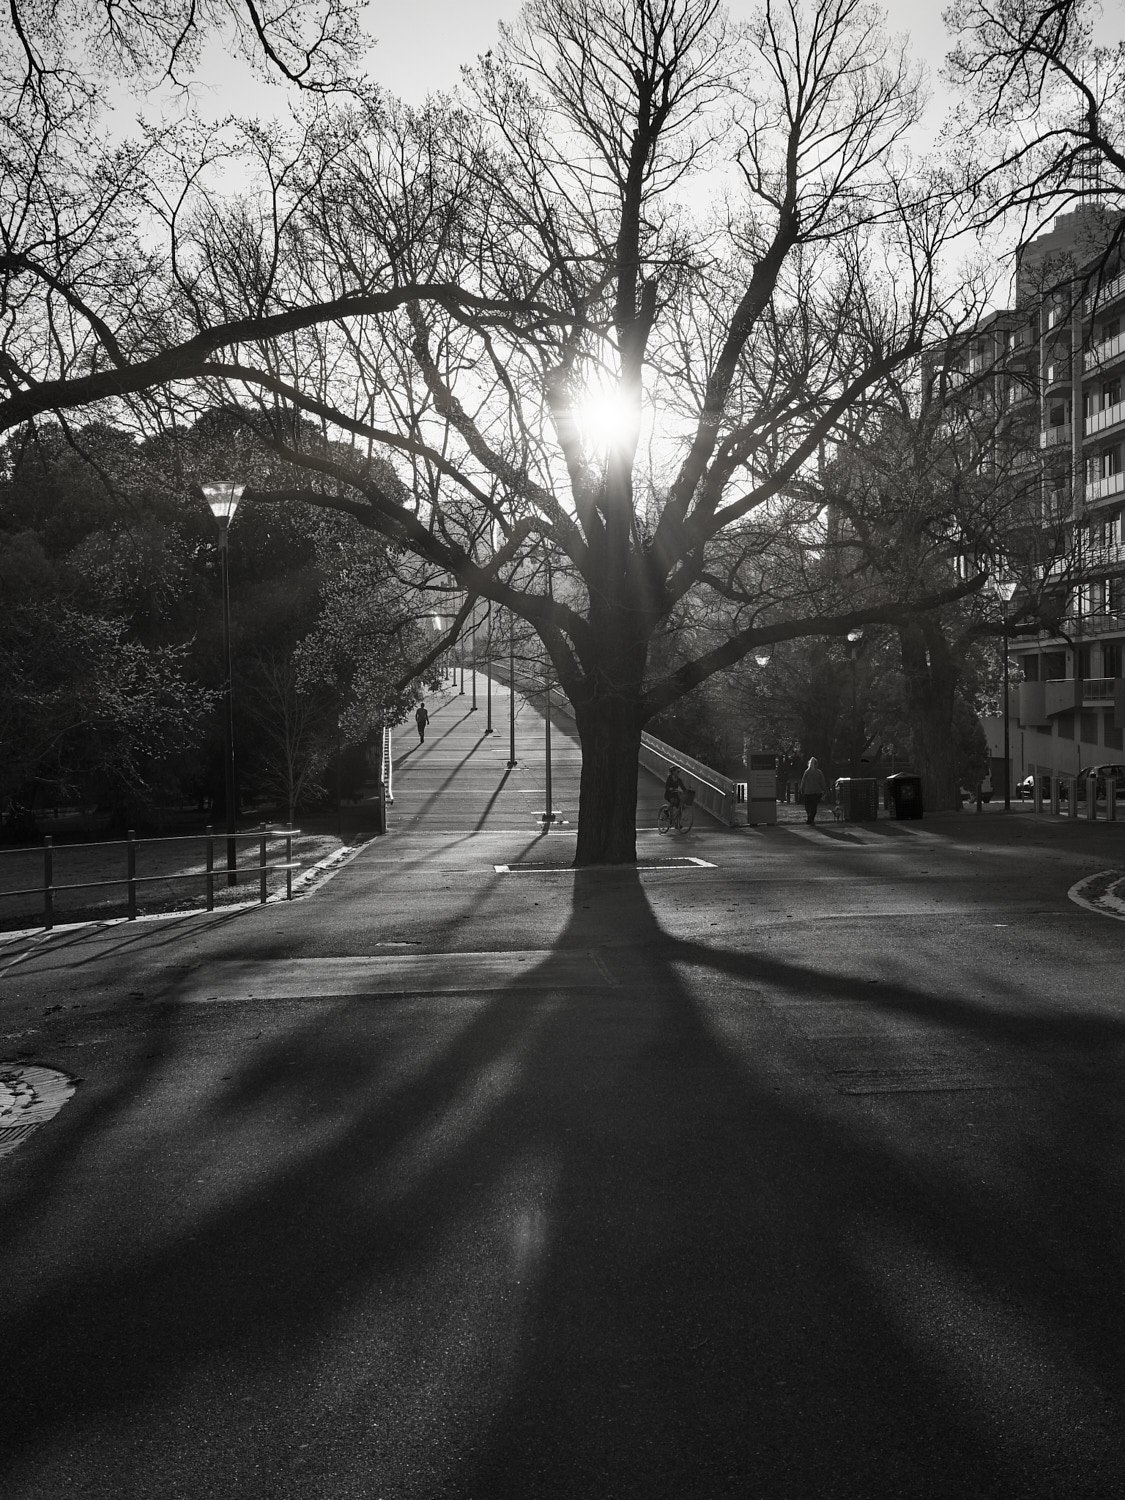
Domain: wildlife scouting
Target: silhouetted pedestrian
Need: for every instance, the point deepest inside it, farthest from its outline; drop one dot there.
(421, 718)
(813, 788)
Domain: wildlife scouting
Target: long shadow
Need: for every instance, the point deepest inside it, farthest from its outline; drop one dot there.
(612, 1241)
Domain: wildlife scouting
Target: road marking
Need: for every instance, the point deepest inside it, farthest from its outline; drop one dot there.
(642, 867)
(394, 974)
(1103, 893)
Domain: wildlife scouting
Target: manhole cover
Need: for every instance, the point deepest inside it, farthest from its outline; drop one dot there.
(29, 1097)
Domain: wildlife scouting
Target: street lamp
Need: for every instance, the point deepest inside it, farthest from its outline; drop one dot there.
(854, 638)
(223, 496)
(1005, 588)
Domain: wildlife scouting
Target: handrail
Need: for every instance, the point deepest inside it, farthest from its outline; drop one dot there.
(716, 793)
(131, 880)
(719, 797)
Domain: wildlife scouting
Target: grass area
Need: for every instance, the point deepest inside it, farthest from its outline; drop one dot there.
(170, 870)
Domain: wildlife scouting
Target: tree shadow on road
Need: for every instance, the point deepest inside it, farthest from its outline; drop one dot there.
(620, 1239)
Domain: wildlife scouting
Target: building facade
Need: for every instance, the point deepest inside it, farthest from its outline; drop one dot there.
(1055, 363)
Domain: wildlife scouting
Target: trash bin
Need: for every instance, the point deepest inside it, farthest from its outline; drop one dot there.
(858, 797)
(906, 794)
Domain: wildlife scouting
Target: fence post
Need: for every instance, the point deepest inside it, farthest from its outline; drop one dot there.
(289, 862)
(210, 876)
(263, 890)
(131, 871)
(48, 883)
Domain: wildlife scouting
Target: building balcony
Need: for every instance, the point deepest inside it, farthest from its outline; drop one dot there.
(1105, 354)
(1051, 437)
(1106, 295)
(1099, 690)
(1060, 695)
(1102, 489)
(1103, 421)
(1103, 556)
(1085, 627)
(1057, 376)
(1031, 710)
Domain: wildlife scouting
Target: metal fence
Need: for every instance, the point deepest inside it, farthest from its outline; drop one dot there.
(48, 886)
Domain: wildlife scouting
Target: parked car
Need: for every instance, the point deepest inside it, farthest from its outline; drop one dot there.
(985, 791)
(1104, 772)
(1026, 787)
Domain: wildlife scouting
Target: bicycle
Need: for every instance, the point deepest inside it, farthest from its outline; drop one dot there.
(681, 820)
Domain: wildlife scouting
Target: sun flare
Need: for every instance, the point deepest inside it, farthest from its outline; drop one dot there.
(605, 420)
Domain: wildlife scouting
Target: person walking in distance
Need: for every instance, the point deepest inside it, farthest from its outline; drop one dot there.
(421, 718)
(813, 788)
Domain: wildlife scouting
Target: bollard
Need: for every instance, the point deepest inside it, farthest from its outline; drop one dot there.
(1111, 798)
(1092, 799)
(262, 873)
(1054, 794)
(131, 871)
(210, 876)
(48, 883)
(289, 862)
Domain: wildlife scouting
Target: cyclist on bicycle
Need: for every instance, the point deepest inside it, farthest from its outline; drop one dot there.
(674, 790)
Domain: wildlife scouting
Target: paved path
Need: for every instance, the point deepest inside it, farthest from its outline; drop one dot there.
(460, 779)
(795, 1173)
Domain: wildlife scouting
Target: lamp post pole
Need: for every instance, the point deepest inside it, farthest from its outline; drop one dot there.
(1006, 587)
(223, 496)
(488, 725)
(511, 689)
(473, 646)
(854, 638)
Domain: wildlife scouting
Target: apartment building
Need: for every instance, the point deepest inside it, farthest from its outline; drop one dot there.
(1055, 365)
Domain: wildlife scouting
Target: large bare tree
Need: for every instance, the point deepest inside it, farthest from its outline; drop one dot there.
(602, 314)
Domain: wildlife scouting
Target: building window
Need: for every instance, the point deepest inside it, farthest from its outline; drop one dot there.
(1089, 729)
(1111, 659)
(1065, 722)
(1085, 664)
(1114, 738)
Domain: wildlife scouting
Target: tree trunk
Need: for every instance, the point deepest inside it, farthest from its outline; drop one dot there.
(931, 675)
(610, 735)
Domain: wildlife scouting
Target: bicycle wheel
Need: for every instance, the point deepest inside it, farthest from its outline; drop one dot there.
(664, 819)
(687, 817)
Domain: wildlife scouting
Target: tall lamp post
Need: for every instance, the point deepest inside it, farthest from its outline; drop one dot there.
(488, 725)
(854, 638)
(222, 496)
(511, 689)
(1005, 588)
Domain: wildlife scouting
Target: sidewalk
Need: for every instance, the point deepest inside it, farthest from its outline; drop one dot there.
(460, 779)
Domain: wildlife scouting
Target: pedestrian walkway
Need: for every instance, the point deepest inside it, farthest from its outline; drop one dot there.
(460, 778)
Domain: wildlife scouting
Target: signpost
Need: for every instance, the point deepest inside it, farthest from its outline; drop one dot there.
(761, 789)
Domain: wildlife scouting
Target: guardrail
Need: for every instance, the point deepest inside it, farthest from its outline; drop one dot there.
(715, 793)
(48, 887)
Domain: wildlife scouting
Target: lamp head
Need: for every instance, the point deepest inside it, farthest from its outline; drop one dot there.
(1005, 587)
(222, 496)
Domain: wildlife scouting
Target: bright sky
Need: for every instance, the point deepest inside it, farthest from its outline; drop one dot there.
(423, 44)
(421, 47)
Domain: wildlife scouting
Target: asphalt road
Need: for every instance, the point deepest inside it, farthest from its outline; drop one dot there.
(795, 1172)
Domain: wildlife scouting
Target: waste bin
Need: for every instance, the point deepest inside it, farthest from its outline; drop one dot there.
(858, 797)
(906, 794)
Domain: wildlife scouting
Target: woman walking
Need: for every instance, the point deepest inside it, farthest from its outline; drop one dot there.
(813, 788)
